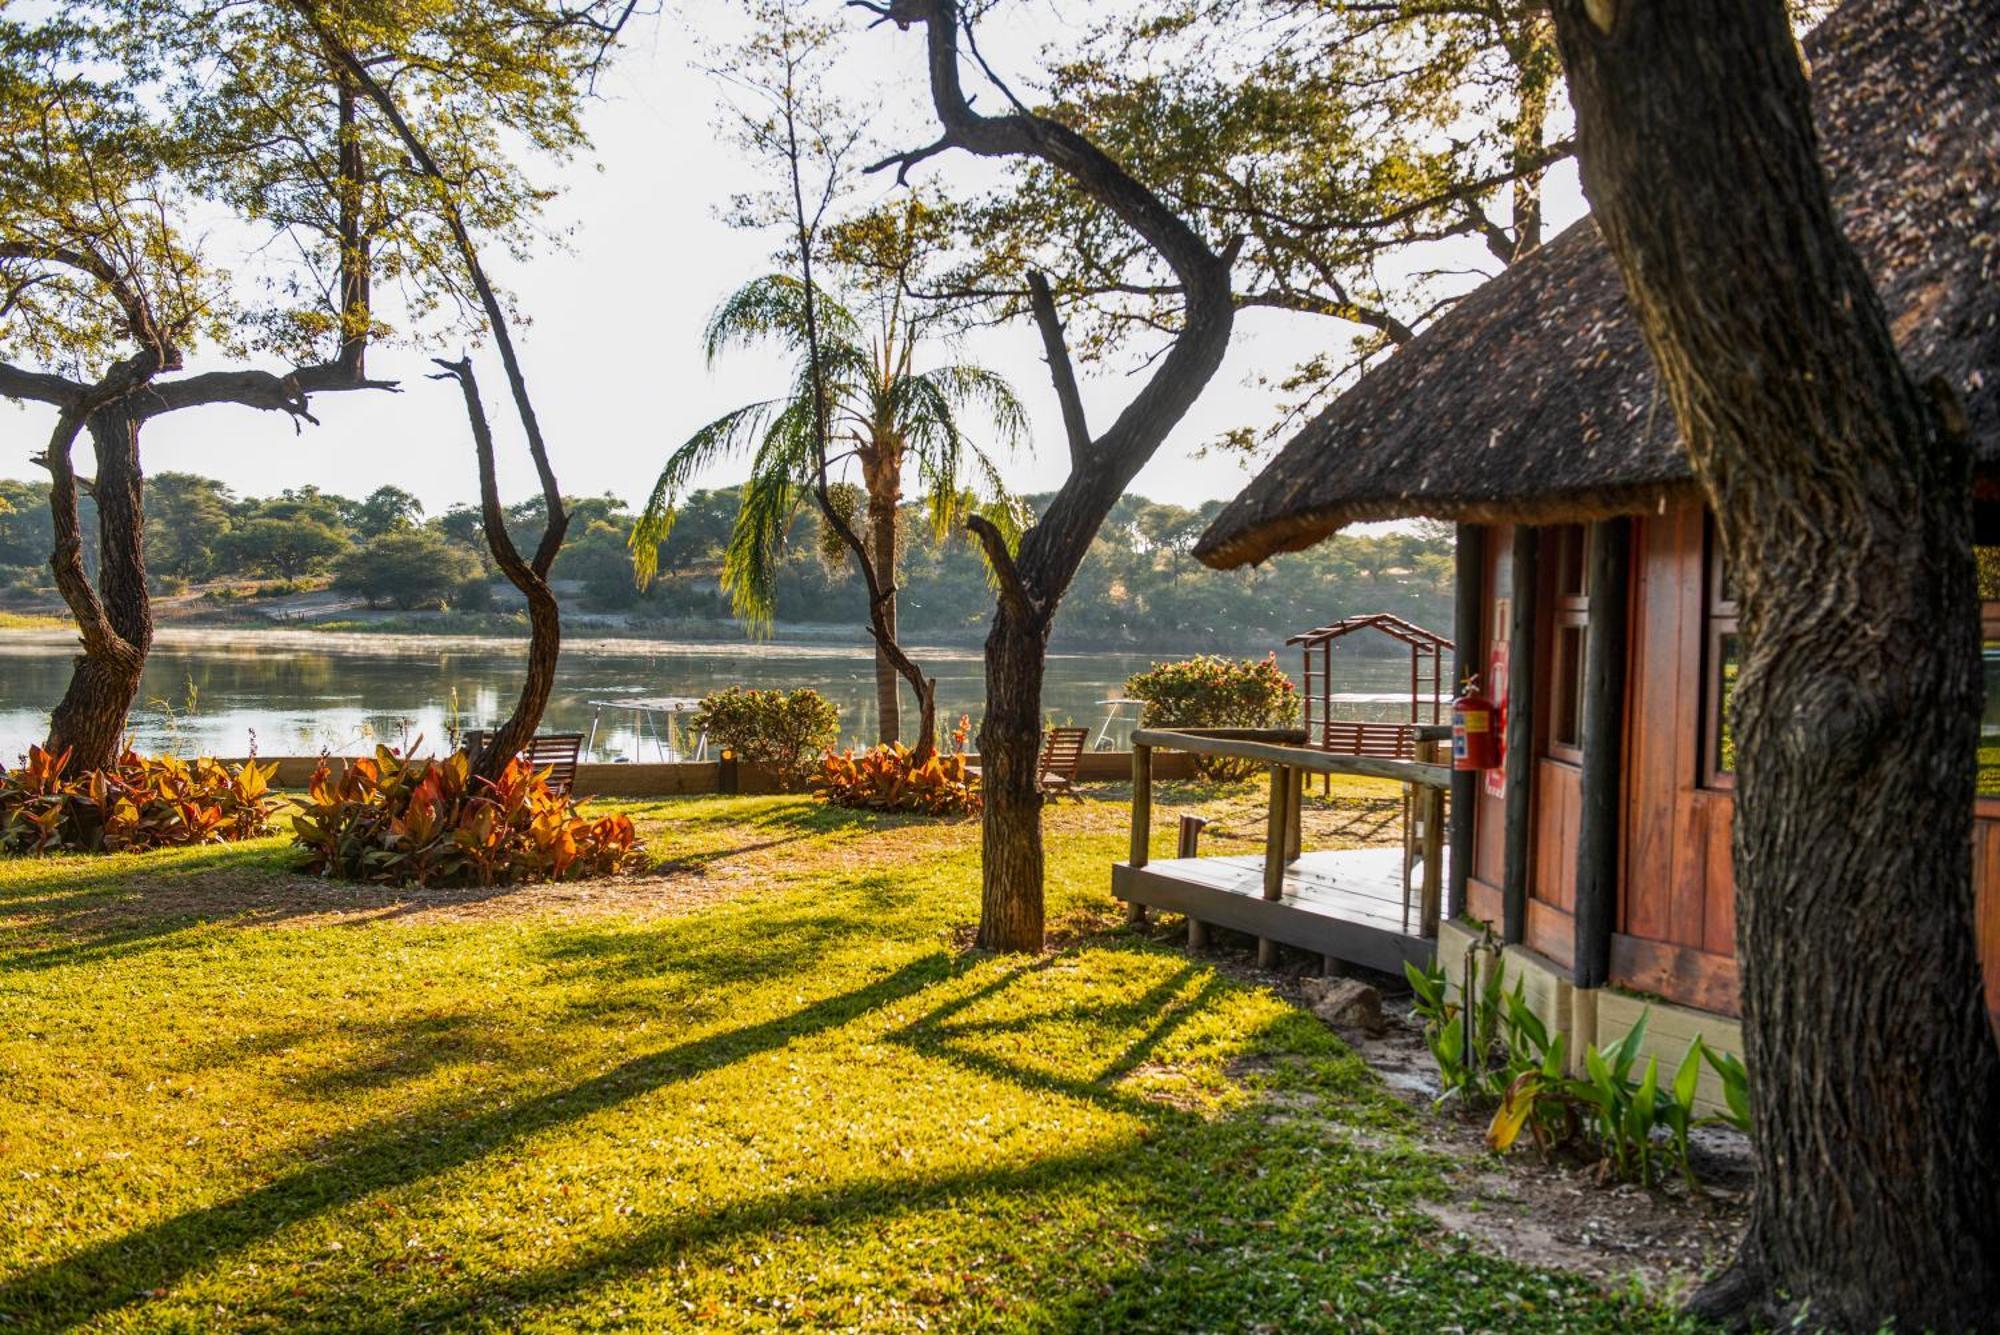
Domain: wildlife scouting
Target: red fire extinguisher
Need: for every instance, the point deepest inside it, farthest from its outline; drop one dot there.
(1475, 740)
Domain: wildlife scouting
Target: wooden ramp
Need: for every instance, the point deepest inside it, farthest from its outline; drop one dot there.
(1347, 904)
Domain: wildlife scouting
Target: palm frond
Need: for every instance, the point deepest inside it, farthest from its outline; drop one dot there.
(774, 307)
(751, 562)
(655, 524)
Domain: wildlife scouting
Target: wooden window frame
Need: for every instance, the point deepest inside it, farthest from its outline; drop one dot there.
(1989, 629)
(1718, 622)
(1569, 603)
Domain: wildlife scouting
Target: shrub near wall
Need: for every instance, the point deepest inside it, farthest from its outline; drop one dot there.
(1209, 691)
(786, 731)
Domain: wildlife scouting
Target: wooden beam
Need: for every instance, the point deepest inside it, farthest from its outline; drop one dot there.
(1520, 759)
(1603, 751)
(1468, 596)
(1142, 821)
(1296, 757)
(1431, 802)
(1277, 834)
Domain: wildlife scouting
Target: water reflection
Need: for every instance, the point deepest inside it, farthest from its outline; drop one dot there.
(300, 692)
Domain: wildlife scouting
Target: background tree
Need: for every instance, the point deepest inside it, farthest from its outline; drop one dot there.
(1102, 466)
(1842, 495)
(288, 547)
(186, 514)
(1345, 154)
(387, 509)
(885, 415)
(410, 568)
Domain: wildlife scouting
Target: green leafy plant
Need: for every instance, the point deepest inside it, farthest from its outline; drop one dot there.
(1209, 691)
(1472, 1067)
(786, 731)
(142, 802)
(1626, 1116)
(890, 778)
(430, 822)
(1735, 1088)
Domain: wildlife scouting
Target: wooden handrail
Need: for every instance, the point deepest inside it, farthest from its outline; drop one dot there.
(1306, 758)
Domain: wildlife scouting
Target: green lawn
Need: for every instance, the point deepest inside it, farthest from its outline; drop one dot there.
(767, 1090)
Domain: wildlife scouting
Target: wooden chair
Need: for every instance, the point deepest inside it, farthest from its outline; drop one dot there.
(556, 752)
(1061, 758)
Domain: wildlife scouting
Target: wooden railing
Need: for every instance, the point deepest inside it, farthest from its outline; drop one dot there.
(1285, 753)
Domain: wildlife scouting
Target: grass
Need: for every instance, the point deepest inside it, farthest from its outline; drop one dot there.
(33, 621)
(231, 1100)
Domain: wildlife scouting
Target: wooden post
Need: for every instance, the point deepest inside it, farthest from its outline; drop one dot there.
(1142, 820)
(1603, 751)
(1295, 816)
(728, 778)
(1520, 758)
(1431, 801)
(1276, 835)
(1188, 844)
(1467, 643)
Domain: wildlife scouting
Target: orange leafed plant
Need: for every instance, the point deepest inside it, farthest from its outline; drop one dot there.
(142, 802)
(430, 822)
(888, 778)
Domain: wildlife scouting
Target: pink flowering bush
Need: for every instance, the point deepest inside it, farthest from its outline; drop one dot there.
(1209, 691)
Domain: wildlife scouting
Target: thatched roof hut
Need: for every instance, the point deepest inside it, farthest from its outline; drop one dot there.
(1534, 398)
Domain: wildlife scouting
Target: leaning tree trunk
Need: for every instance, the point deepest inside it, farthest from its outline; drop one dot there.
(117, 618)
(1010, 746)
(882, 551)
(530, 577)
(1842, 499)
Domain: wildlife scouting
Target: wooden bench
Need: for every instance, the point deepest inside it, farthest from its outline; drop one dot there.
(556, 752)
(1392, 741)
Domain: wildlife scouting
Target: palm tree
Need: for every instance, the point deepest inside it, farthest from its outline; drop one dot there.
(883, 416)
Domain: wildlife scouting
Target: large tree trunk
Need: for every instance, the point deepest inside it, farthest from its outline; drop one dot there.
(1010, 744)
(882, 551)
(117, 618)
(1842, 500)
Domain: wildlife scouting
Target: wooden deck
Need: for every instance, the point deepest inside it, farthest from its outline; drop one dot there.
(1346, 904)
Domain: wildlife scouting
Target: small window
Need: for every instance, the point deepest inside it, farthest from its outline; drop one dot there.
(1988, 559)
(1568, 566)
(1566, 723)
(1722, 658)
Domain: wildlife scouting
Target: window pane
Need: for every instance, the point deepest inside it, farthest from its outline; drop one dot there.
(1729, 659)
(1988, 559)
(1568, 722)
(1989, 725)
(1572, 571)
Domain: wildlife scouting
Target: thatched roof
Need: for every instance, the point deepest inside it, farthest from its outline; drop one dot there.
(1534, 399)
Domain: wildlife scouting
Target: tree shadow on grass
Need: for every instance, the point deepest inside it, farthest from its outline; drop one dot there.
(110, 1275)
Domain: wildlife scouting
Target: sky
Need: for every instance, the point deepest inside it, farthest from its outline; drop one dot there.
(612, 351)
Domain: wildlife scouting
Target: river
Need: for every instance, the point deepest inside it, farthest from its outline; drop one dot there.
(299, 692)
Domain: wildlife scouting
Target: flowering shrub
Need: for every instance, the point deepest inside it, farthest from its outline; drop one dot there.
(1209, 691)
(142, 802)
(887, 778)
(430, 822)
(784, 730)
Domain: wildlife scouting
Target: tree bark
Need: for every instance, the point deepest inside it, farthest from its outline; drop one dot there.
(1842, 498)
(117, 616)
(531, 578)
(882, 498)
(1010, 744)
